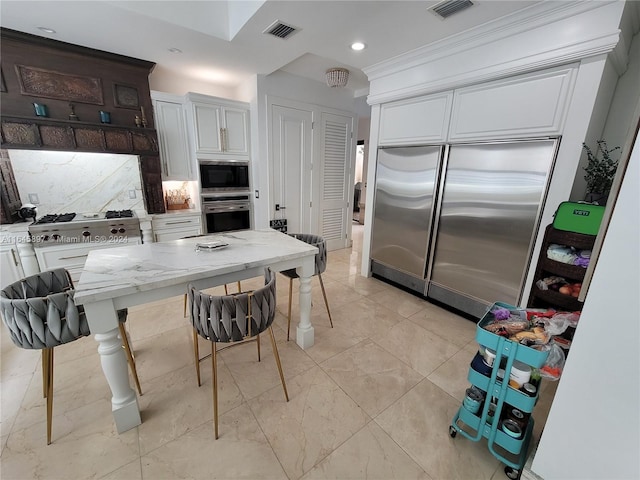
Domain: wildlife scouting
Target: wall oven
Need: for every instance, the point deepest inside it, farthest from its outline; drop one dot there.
(226, 213)
(223, 176)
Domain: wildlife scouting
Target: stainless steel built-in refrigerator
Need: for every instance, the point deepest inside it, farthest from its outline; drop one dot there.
(406, 181)
(459, 228)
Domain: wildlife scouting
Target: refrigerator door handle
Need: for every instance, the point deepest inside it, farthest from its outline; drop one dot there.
(436, 215)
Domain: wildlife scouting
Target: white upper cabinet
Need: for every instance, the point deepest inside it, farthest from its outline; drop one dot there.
(169, 114)
(220, 127)
(235, 131)
(208, 130)
(415, 120)
(523, 106)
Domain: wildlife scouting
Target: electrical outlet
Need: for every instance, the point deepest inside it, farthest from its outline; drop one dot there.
(33, 198)
(257, 193)
(132, 194)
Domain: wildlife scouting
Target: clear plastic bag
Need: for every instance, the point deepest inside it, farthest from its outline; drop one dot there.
(552, 368)
(557, 323)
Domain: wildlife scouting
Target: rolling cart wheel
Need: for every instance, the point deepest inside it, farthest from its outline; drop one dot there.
(512, 473)
(452, 431)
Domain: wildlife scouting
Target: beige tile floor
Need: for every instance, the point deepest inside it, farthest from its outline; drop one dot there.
(373, 398)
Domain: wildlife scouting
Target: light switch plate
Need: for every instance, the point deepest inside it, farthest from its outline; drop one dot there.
(132, 194)
(33, 198)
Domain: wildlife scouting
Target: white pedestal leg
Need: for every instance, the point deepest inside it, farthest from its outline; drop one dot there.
(124, 403)
(305, 332)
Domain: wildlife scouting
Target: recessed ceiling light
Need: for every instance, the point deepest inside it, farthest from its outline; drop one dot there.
(175, 50)
(358, 46)
(47, 29)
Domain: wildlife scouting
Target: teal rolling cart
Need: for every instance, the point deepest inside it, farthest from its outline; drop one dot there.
(499, 397)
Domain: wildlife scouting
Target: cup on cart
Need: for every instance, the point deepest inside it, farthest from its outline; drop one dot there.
(473, 399)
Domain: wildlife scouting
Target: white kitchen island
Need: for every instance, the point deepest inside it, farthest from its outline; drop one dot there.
(121, 277)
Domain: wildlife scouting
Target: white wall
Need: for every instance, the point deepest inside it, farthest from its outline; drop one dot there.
(596, 124)
(163, 80)
(627, 95)
(592, 428)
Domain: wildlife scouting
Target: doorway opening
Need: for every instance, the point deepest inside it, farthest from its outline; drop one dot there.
(357, 189)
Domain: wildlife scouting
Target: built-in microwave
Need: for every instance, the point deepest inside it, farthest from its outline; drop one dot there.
(223, 176)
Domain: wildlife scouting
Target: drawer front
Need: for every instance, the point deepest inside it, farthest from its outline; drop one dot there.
(179, 222)
(175, 234)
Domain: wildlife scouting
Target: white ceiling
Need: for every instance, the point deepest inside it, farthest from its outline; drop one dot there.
(222, 41)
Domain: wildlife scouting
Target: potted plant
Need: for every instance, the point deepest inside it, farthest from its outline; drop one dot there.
(599, 173)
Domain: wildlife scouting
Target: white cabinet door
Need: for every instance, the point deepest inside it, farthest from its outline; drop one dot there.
(220, 126)
(525, 106)
(177, 163)
(235, 133)
(208, 128)
(10, 266)
(415, 120)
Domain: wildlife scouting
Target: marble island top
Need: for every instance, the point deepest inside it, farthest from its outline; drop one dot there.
(120, 271)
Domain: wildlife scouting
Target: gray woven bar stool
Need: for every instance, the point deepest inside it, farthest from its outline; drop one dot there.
(233, 319)
(321, 266)
(40, 313)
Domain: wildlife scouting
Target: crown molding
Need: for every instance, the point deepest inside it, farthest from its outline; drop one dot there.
(543, 36)
(523, 65)
(521, 21)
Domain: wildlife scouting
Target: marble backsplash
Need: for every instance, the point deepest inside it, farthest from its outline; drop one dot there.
(77, 181)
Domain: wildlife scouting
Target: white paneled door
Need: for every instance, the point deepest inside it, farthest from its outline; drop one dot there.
(335, 179)
(291, 144)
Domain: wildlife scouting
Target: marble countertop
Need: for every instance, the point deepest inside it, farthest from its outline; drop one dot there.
(120, 271)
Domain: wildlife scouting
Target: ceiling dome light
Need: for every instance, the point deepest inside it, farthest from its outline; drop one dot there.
(47, 30)
(337, 77)
(175, 50)
(357, 46)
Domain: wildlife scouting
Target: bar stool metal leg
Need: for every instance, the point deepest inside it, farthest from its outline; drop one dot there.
(326, 303)
(196, 353)
(289, 314)
(49, 381)
(130, 360)
(277, 357)
(214, 365)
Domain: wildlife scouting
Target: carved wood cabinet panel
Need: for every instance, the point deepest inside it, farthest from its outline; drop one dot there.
(76, 88)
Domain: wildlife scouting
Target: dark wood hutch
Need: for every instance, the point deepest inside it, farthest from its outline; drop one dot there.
(75, 83)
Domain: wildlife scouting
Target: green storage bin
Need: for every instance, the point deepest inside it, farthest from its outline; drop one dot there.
(578, 217)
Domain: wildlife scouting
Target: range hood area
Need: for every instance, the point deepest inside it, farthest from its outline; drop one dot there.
(55, 96)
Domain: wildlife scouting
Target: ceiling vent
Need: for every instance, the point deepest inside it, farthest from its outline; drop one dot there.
(449, 7)
(280, 30)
